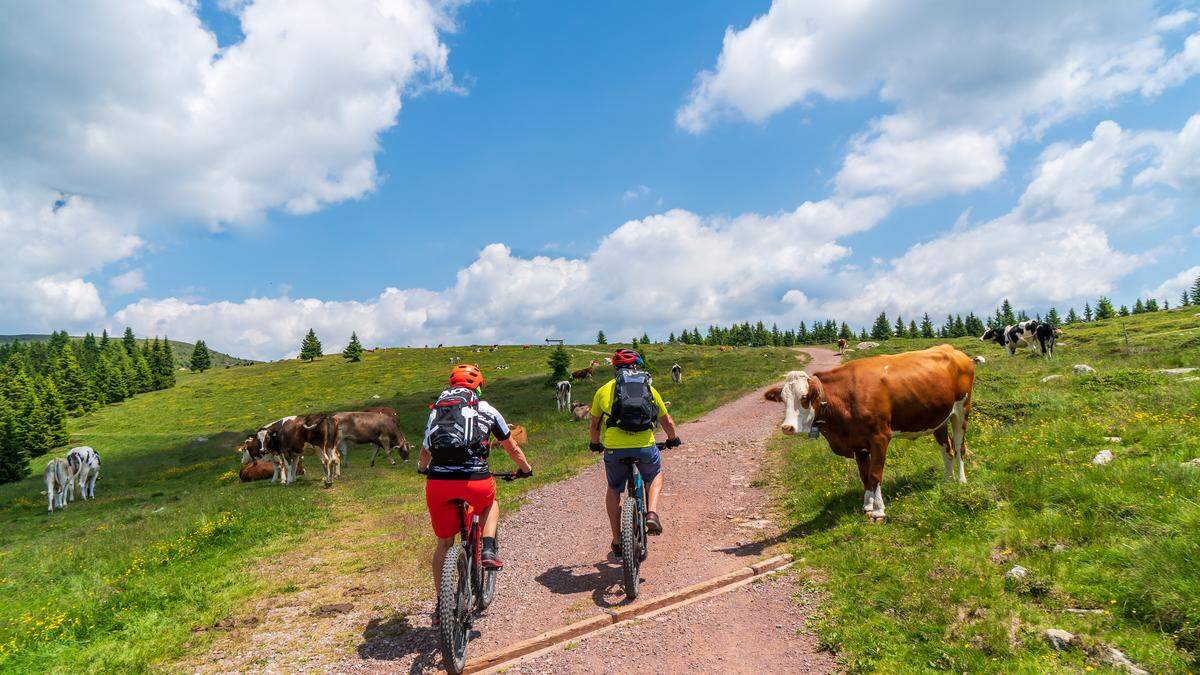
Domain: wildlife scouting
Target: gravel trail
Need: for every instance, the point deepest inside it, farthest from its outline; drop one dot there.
(559, 570)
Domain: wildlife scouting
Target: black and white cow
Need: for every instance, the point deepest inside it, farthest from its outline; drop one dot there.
(676, 373)
(1011, 337)
(1045, 336)
(562, 395)
(84, 463)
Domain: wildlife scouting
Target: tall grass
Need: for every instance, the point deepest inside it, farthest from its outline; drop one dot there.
(926, 590)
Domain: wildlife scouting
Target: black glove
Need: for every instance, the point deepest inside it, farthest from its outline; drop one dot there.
(672, 443)
(524, 474)
(596, 447)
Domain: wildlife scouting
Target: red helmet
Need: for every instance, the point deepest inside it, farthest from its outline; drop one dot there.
(625, 357)
(466, 375)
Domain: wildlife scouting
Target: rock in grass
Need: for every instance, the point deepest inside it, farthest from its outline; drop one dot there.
(1049, 378)
(1103, 457)
(867, 345)
(1082, 369)
(979, 359)
(1117, 659)
(1016, 572)
(1059, 639)
(1112, 439)
(1176, 371)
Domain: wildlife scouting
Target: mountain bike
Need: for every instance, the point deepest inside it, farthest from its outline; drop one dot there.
(634, 542)
(467, 588)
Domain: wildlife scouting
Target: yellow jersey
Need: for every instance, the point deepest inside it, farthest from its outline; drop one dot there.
(618, 439)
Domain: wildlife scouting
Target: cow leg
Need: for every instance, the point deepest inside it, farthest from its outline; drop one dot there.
(327, 466)
(375, 453)
(958, 435)
(874, 483)
(942, 436)
(863, 459)
(92, 476)
(343, 450)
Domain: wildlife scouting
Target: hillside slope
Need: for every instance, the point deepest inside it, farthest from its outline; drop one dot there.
(1111, 551)
(173, 543)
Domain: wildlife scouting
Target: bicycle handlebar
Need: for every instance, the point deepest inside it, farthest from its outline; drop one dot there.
(506, 476)
(665, 445)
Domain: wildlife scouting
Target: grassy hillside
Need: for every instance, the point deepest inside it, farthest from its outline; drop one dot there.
(173, 543)
(926, 590)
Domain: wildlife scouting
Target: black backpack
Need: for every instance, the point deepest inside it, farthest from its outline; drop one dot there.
(457, 435)
(633, 403)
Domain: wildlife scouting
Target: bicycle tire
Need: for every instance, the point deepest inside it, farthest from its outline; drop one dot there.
(487, 590)
(455, 600)
(630, 556)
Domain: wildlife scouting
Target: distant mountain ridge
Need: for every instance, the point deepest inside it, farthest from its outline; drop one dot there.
(182, 351)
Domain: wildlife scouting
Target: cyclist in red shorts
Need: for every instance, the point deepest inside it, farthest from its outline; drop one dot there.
(454, 456)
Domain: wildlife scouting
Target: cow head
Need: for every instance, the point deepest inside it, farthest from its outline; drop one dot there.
(251, 449)
(994, 335)
(799, 398)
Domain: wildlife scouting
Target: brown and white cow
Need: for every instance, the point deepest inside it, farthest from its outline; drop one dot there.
(841, 345)
(859, 406)
(285, 440)
(376, 426)
(585, 373)
(256, 470)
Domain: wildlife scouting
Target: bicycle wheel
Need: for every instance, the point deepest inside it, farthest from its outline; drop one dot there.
(487, 590)
(630, 555)
(455, 599)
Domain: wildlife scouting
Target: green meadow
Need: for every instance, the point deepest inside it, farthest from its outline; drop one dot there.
(1112, 552)
(174, 543)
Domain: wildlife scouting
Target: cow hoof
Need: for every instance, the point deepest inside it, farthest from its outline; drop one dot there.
(876, 517)
(328, 484)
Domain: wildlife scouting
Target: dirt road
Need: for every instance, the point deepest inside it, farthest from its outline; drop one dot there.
(559, 570)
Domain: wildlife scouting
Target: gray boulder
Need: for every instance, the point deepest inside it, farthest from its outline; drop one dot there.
(866, 345)
(1059, 639)
(1176, 371)
(1082, 369)
(1103, 457)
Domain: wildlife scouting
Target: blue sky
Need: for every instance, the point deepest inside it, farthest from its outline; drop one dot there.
(805, 164)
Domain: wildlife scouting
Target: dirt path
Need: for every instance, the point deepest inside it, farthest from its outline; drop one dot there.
(559, 570)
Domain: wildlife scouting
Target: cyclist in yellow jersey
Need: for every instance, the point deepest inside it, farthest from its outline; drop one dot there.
(629, 432)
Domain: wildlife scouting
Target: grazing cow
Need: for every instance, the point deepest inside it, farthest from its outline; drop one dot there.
(859, 406)
(58, 476)
(1011, 337)
(376, 426)
(774, 393)
(585, 373)
(676, 373)
(84, 463)
(580, 411)
(1045, 336)
(256, 470)
(725, 348)
(562, 395)
(841, 345)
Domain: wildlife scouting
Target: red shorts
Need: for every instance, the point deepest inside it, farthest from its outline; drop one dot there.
(441, 496)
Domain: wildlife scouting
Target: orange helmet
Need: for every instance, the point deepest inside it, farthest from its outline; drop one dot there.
(466, 375)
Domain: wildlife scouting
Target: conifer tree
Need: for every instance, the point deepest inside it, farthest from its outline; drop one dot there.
(670, 338)
(974, 325)
(926, 326)
(1072, 317)
(1184, 300)
(1006, 315)
(1123, 311)
(645, 339)
(104, 339)
(73, 384)
(144, 375)
(202, 359)
(30, 428)
(163, 364)
(1196, 291)
(310, 348)
(1151, 306)
(14, 461)
(862, 333)
(1104, 308)
(56, 412)
(882, 330)
(912, 330)
(1052, 317)
(354, 350)
(844, 333)
(112, 388)
(960, 328)
(1087, 311)
(560, 364)
(600, 339)
(899, 331)
(129, 342)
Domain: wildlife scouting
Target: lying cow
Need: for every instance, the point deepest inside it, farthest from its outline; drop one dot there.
(859, 406)
(580, 411)
(676, 373)
(562, 395)
(58, 476)
(256, 470)
(84, 464)
(376, 426)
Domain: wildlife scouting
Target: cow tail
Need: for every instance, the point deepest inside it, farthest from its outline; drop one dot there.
(330, 430)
